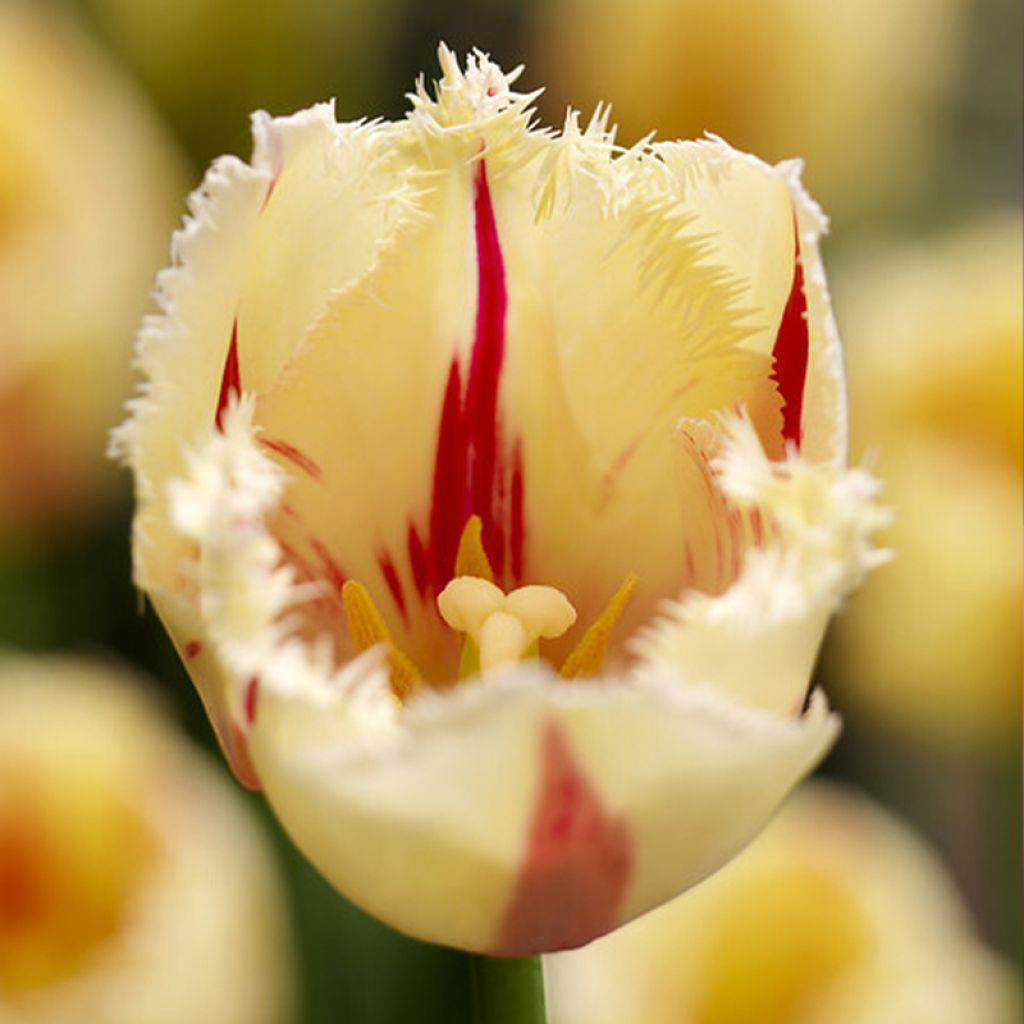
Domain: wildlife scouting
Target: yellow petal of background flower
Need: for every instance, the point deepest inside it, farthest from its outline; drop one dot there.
(132, 884)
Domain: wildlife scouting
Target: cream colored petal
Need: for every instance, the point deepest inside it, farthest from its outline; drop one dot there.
(430, 831)
(362, 403)
(648, 287)
(236, 282)
(758, 640)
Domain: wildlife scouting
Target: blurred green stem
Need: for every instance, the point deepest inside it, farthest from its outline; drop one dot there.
(507, 991)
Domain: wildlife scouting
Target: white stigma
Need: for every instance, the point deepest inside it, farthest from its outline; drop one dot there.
(503, 626)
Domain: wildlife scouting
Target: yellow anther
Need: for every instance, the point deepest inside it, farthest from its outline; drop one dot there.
(588, 655)
(365, 622)
(504, 626)
(368, 629)
(471, 558)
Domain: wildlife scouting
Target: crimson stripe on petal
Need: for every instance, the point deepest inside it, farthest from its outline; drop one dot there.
(481, 406)
(294, 455)
(230, 378)
(448, 510)
(470, 471)
(790, 352)
(577, 864)
(390, 574)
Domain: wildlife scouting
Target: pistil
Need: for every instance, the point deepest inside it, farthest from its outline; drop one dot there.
(504, 626)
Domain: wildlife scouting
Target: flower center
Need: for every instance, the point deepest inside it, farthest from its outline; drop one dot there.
(500, 628)
(503, 627)
(72, 856)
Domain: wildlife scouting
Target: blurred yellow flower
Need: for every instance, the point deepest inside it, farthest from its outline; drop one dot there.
(439, 388)
(88, 187)
(836, 914)
(855, 87)
(935, 357)
(133, 887)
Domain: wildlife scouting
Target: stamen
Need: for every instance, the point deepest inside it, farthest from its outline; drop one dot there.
(504, 626)
(368, 629)
(471, 559)
(588, 655)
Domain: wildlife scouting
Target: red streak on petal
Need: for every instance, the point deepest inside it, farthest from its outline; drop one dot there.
(418, 561)
(470, 474)
(577, 864)
(448, 512)
(276, 163)
(230, 379)
(294, 455)
(757, 526)
(390, 574)
(485, 371)
(251, 700)
(516, 529)
(330, 564)
(236, 748)
(789, 355)
(193, 649)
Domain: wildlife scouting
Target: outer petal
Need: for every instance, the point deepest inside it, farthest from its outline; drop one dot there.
(531, 815)
(228, 322)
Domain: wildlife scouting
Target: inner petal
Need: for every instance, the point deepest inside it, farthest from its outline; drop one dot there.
(533, 374)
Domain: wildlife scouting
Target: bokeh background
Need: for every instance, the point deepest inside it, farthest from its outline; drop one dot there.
(908, 114)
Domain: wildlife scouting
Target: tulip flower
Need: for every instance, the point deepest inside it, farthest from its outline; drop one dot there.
(836, 914)
(87, 195)
(133, 886)
(934, 645)
(491, 485)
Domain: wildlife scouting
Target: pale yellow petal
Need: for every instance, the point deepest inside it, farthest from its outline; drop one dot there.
(443, 810)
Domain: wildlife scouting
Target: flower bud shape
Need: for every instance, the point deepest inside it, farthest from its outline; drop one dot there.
(133, 885)
(491, 485)
(836, 914)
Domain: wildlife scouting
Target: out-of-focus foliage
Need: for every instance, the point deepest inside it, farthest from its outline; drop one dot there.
(836, 914)
(933, 337)
(133, 884)
(209, 63)
(89, 186)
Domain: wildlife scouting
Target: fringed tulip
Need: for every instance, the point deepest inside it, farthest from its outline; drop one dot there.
(491, 485)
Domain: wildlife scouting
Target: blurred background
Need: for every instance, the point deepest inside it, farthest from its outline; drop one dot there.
(908, 114)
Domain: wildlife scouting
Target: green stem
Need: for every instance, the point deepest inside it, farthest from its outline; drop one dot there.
(507, 991)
